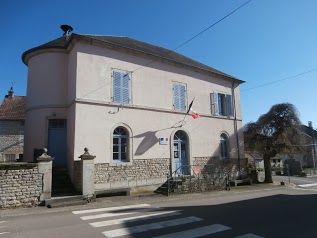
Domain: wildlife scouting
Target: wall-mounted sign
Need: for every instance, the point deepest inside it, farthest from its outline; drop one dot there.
(163, 140)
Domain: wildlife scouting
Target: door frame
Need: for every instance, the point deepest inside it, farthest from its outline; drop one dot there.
(188, 149)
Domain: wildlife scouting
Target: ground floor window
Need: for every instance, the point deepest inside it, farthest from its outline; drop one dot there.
(224, 146)
(120, 145)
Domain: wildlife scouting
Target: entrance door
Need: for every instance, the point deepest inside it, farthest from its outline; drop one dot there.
(180, 153)
(57, 142)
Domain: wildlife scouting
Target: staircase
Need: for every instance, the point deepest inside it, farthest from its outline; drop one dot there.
(63, 191)
(61, 183)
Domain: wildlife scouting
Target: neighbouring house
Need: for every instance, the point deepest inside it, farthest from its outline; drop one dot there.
(12, 114)
(305, 158)
(127, 101)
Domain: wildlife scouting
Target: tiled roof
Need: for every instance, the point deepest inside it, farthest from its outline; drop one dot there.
(13, 108)
(133, 45)
(307, 130)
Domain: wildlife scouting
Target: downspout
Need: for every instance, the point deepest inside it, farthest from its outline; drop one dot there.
(235, 124)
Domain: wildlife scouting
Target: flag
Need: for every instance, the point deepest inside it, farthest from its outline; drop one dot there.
(190, 109)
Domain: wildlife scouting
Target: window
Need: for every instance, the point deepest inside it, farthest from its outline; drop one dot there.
(179, 94)
(221, 104)
(121, 87)
(120, 145)
(224, 146)
(9, 158)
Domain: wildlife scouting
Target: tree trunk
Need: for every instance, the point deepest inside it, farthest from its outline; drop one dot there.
(267, 168)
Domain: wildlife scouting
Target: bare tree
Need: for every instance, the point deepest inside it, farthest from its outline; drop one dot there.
(275, 132)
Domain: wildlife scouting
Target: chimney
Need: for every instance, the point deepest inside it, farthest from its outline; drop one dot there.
(10, 93)
(66, 29)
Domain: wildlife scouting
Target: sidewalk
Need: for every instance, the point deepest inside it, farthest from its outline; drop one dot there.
(146, 198)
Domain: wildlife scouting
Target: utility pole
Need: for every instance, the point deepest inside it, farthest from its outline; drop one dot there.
(310, 124)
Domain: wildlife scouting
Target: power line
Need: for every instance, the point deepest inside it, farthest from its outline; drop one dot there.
(181, 45)
(195, 36)
(277, 81)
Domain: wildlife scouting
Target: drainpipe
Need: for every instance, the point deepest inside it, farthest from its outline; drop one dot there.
(235, 124)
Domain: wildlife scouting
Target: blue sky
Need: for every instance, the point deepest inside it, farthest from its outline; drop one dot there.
(264, 41)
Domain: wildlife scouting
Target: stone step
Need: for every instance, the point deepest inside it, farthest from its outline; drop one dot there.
(65, 201)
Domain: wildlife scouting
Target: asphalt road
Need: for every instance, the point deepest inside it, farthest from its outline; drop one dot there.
(245, 212)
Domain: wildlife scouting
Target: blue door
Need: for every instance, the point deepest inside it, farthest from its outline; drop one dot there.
(180, 153)
(57, 142)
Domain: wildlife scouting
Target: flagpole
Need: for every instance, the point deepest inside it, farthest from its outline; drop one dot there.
(190, 105)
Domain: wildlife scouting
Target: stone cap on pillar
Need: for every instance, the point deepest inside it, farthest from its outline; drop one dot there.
(44, 157)
(86, 155)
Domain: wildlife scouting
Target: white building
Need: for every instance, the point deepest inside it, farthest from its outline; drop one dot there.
(127, 101)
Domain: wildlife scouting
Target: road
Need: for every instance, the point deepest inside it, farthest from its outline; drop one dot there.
(244, 212)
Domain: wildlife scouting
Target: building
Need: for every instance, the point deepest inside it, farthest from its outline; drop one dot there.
(127, 101)
(12, 114)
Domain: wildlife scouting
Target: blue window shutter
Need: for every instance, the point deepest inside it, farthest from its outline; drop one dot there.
(229, 105)
(216, 112)
(116, 97)
(182, 97)
(125, 88)
(176, 97)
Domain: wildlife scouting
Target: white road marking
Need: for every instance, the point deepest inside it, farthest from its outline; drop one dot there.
(3, 221)
(134, 219)
(2, 233)
(108, 209)
(3, 226)
(307, 185)
(249, 236)
(104, 215)
(152, 226)
(197, 232)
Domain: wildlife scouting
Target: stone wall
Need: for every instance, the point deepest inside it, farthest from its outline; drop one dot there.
(77, 177)
(231, 165)
(139, 172)
(20, 185)
(11, 138)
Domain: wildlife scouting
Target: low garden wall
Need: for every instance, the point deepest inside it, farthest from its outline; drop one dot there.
(20, 185)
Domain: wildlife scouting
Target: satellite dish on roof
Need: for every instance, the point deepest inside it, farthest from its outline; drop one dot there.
(67, 29)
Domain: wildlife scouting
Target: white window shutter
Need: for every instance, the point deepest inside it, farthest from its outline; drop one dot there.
(229, 105)
(176, 97)
(216, 112)
(212, 104)
(182, 97)
(116, 77)
(125, 88)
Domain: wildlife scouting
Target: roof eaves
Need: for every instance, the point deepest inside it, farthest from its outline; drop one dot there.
(162, 57)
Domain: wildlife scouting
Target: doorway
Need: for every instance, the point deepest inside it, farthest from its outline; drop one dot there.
(180, 153)
(57, 142)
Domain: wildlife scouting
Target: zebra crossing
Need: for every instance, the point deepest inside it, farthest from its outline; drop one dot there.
(2, 228)
(133, 220)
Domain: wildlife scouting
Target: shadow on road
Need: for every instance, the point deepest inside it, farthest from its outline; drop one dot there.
(271, 217)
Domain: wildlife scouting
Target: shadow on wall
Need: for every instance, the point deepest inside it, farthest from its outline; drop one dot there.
(149, 140)
(233, 164)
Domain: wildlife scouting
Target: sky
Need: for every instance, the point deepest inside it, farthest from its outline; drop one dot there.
(263, 42)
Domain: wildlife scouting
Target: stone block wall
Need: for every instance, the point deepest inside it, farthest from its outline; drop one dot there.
(20, 185)
(11, 138)
(140, 170)
(215, 163)
(77, 177)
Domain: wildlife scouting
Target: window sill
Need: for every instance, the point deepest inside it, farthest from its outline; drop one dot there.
(120, 163)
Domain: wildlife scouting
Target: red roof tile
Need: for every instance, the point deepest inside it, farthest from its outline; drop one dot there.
(13, 108)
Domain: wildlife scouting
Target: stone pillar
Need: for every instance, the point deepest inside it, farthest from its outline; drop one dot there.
(45, 167)
(88, 174)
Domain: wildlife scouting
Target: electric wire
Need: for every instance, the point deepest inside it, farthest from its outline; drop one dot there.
(280, 80)
(181, 45)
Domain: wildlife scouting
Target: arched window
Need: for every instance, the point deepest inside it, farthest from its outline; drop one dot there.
(120, 141)
(224, 146)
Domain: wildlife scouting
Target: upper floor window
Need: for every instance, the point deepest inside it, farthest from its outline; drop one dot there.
(221, 104)
(121, 87)
(120, 145)
(179, 94)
